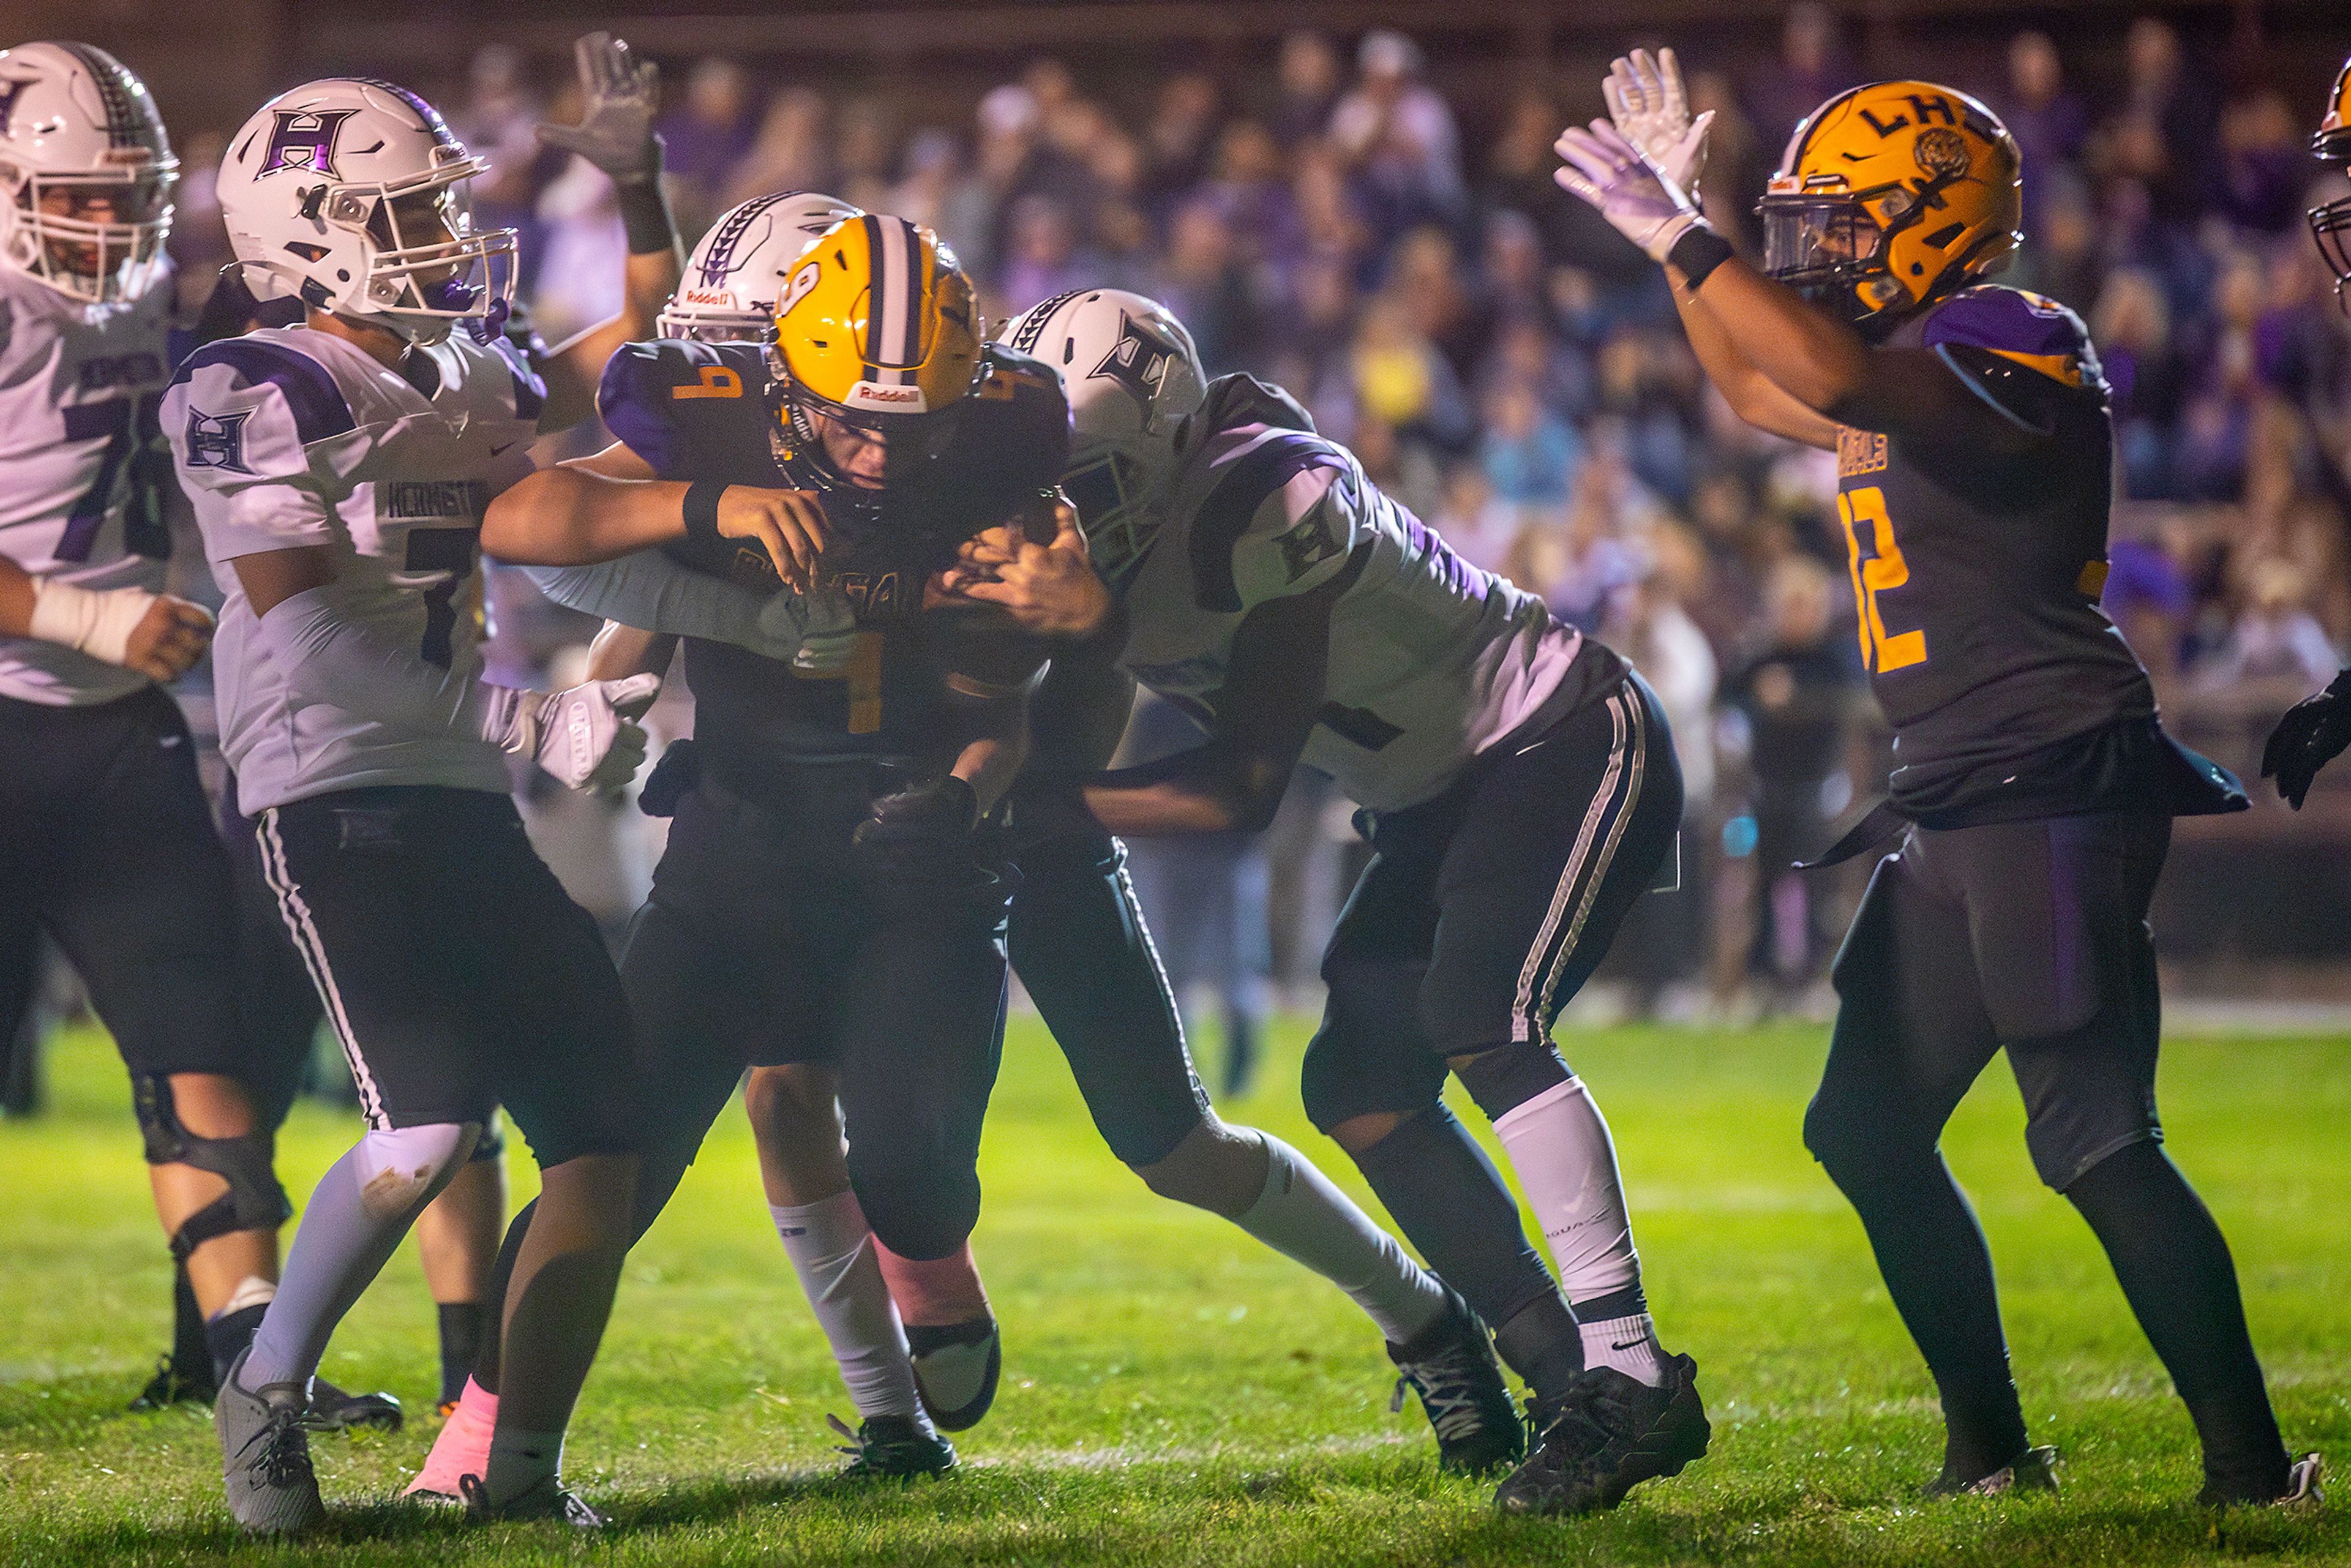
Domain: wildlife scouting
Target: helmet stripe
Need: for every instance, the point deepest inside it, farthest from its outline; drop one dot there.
(911, 354)
(880, 330)
(1033, 325)
(106, 75)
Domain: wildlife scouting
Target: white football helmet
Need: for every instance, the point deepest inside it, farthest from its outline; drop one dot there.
(78, 130)
(1133, 377)
(737, 272)
(348, 195)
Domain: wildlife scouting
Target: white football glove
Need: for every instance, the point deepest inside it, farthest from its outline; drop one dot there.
(1610, 172)
(1646, 101)
(587, 737)
(823, 624)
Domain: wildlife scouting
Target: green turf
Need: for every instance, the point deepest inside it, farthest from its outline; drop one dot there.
(1175, 1394)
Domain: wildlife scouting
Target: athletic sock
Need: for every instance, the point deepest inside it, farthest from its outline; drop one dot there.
(935, 1292)
(1304, 1218)
(1447, 1198)
(2174, 1267)
(832, 1248)
(190, 1345)
(1937, 1270)
(230, 1330)
(1541, 1344)
(461, 1341)
(1559, 1144)
(519, 1461)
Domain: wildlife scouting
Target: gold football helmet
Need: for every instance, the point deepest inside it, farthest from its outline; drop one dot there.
(1891, 196)
(2330, 223)
(876, 328)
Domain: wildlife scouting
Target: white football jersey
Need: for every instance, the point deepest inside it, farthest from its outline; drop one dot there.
(79, 451)
(288, 436)
(1431, 659)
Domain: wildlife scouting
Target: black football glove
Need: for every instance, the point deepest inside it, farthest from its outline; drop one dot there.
(2313, 734)
(919, 838)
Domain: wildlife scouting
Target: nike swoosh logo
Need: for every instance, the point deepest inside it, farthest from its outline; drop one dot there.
(1628, 1344)
(508, 447)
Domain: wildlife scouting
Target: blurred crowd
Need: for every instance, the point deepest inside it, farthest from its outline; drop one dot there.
(1512, 371)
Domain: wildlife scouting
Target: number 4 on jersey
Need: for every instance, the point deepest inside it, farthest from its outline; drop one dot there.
(1878, 567)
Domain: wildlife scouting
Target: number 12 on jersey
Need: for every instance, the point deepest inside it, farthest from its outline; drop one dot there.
(1877, 567)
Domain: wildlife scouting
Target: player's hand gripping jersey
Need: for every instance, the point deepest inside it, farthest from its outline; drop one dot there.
(709, 412)
(287, 437)
(1977, 572)
(1432, 661)
(81, 462)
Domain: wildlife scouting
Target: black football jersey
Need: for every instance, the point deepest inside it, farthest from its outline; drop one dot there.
(709, 412)
(1977, 574)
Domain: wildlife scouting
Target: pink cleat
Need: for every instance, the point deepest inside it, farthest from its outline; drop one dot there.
(462, 1448)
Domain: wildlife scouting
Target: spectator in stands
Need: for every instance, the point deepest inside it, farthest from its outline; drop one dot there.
(1398, 136)
(2274, 638)
(1811, 68)
(704, 137)
(1306, 88)
(792, 151)
(1529, 453)
(2049, 123)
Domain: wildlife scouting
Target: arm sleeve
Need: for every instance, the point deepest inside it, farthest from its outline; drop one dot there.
(331, 658)
(652, 593)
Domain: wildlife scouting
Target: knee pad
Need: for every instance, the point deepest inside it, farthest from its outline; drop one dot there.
(916, 1210)
(255, 1200)
(492, 1143)
(1507, 1076)
(401, 1169)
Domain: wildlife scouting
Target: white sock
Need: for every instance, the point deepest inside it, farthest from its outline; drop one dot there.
(1559, 1146)
(519, 1461)
(350, 1228)
(1628, 1344)
(831, 1247)
(1308, 1220)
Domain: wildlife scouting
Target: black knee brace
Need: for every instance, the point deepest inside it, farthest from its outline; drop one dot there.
(254, 1200)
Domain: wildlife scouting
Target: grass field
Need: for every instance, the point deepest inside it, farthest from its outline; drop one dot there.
(1175, 1394)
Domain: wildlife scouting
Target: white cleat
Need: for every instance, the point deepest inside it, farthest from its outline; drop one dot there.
(265, 1455)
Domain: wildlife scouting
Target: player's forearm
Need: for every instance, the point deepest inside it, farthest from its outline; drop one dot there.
(17, 597)
(1813, 357)
(569, 515)
(1751, 394)
(1212, 789)
(648, 591)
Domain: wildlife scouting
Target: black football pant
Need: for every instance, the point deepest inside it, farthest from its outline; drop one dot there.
(2028, 937)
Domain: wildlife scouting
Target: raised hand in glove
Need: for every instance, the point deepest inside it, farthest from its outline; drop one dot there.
(2313, 734)
(1646, 101)
(587, 737)
(616, 128)
(919, 837)
(1610, 172)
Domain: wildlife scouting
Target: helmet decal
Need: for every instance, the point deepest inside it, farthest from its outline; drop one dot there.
(1136, 363)
(1940, 153)
(11, 90)
(305, 139)
(719, 259)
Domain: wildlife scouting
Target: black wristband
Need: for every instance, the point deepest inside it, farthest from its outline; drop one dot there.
(1698, 252)
(701, 509)
(645, 209)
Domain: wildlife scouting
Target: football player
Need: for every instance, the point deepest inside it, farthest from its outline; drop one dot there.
(824, 895)
(1518, 788)
(105, 838)
(2316, 729)
(1078, 940)
(339, 470)
(2034, 786)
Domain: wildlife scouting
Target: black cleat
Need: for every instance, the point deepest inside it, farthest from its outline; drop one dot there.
(893, 1446)
(1606, 1435)
(2035, 1470)
(957, 1367)
(175, 1384)
(2302, 1494)
(1452, 1367)
(550, 1499)
(334, 1410)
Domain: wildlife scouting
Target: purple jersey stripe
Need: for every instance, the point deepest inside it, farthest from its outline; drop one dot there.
(309, 386)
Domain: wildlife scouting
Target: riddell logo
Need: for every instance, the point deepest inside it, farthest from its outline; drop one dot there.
(709, 297)
(869, 393)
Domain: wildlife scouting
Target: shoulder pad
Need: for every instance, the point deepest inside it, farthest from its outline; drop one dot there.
(1234, 515)
(2027, 330)
(649, 389)
(1242, 399)
(312, 395)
